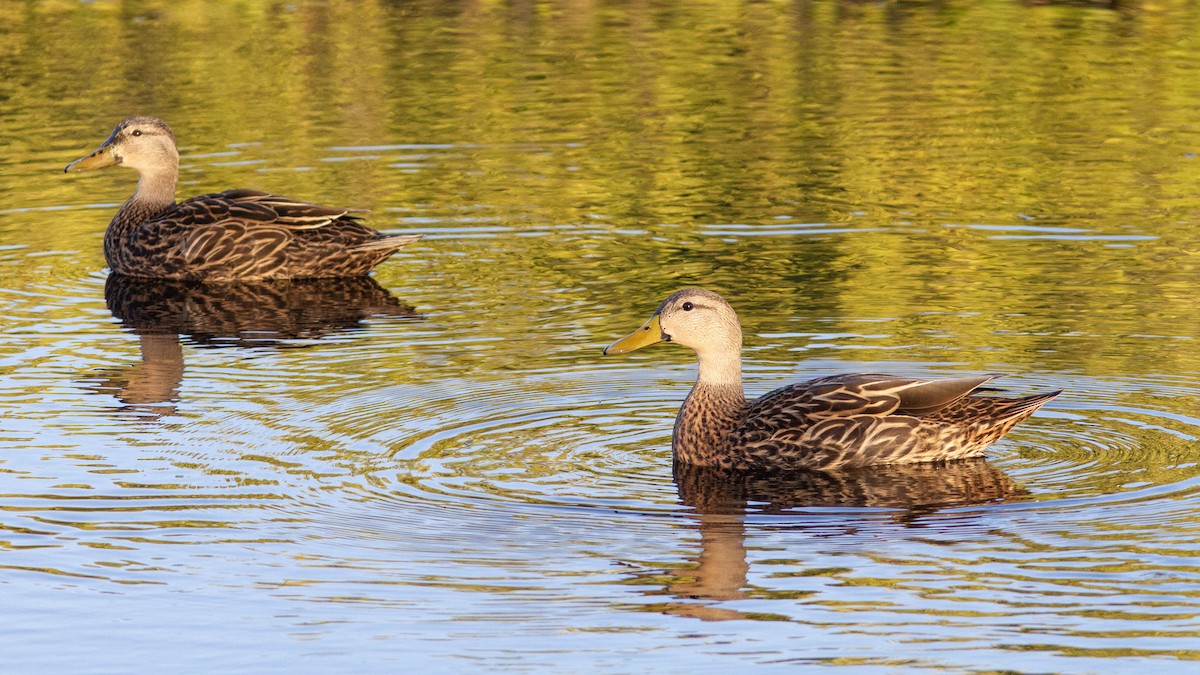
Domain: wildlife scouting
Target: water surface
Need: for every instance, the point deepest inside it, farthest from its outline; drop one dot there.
(437, 469)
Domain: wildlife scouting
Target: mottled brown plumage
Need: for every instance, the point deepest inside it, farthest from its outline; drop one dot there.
(827, 423)
(236, 234)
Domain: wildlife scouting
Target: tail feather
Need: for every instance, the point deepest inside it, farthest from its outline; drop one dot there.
(389, 242)
(1007, 416)
(1024, 407)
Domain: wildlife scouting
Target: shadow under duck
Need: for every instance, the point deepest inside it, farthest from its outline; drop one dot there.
(231, 235)
(827, 423)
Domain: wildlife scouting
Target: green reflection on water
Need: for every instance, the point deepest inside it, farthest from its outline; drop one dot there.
(668, 122)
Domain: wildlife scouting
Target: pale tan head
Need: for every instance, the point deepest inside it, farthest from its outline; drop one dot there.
(145, 144)
(700, 320)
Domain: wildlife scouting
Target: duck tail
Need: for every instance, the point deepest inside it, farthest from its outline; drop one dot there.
(1024, 407)
(388, 242)
(1008, 413)
(967, 428)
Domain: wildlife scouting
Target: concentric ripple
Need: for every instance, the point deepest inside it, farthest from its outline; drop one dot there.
(601, 438)
(482, 473)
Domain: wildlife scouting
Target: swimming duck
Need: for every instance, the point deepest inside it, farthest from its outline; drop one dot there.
(236, 234)
(826, 423)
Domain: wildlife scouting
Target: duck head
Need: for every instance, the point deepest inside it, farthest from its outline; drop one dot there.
(146, 144)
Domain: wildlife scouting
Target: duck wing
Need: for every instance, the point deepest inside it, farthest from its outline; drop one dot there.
(248, 234)
(866, 394)
(846, 420)
(252, 207)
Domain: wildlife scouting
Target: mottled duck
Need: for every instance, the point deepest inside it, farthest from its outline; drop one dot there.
(231, 235)
(826, 423)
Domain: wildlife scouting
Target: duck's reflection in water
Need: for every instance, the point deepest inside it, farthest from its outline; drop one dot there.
(274, 313)
(721, 500)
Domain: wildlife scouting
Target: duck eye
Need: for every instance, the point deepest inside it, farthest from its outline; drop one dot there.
(687, 306)
(136, 132)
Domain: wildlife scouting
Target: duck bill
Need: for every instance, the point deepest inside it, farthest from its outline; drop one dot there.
(101, 157)
(650, 333)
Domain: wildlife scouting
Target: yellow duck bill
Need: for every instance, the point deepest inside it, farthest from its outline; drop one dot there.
(100, 158)
(649, 334)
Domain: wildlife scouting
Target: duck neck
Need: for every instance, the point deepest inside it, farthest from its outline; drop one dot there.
(721, 368)
(155, 193)
(714, 407)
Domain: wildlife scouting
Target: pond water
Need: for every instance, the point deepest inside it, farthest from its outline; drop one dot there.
(437, 469)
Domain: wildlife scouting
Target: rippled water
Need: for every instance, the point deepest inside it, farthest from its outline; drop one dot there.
(437, 469)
